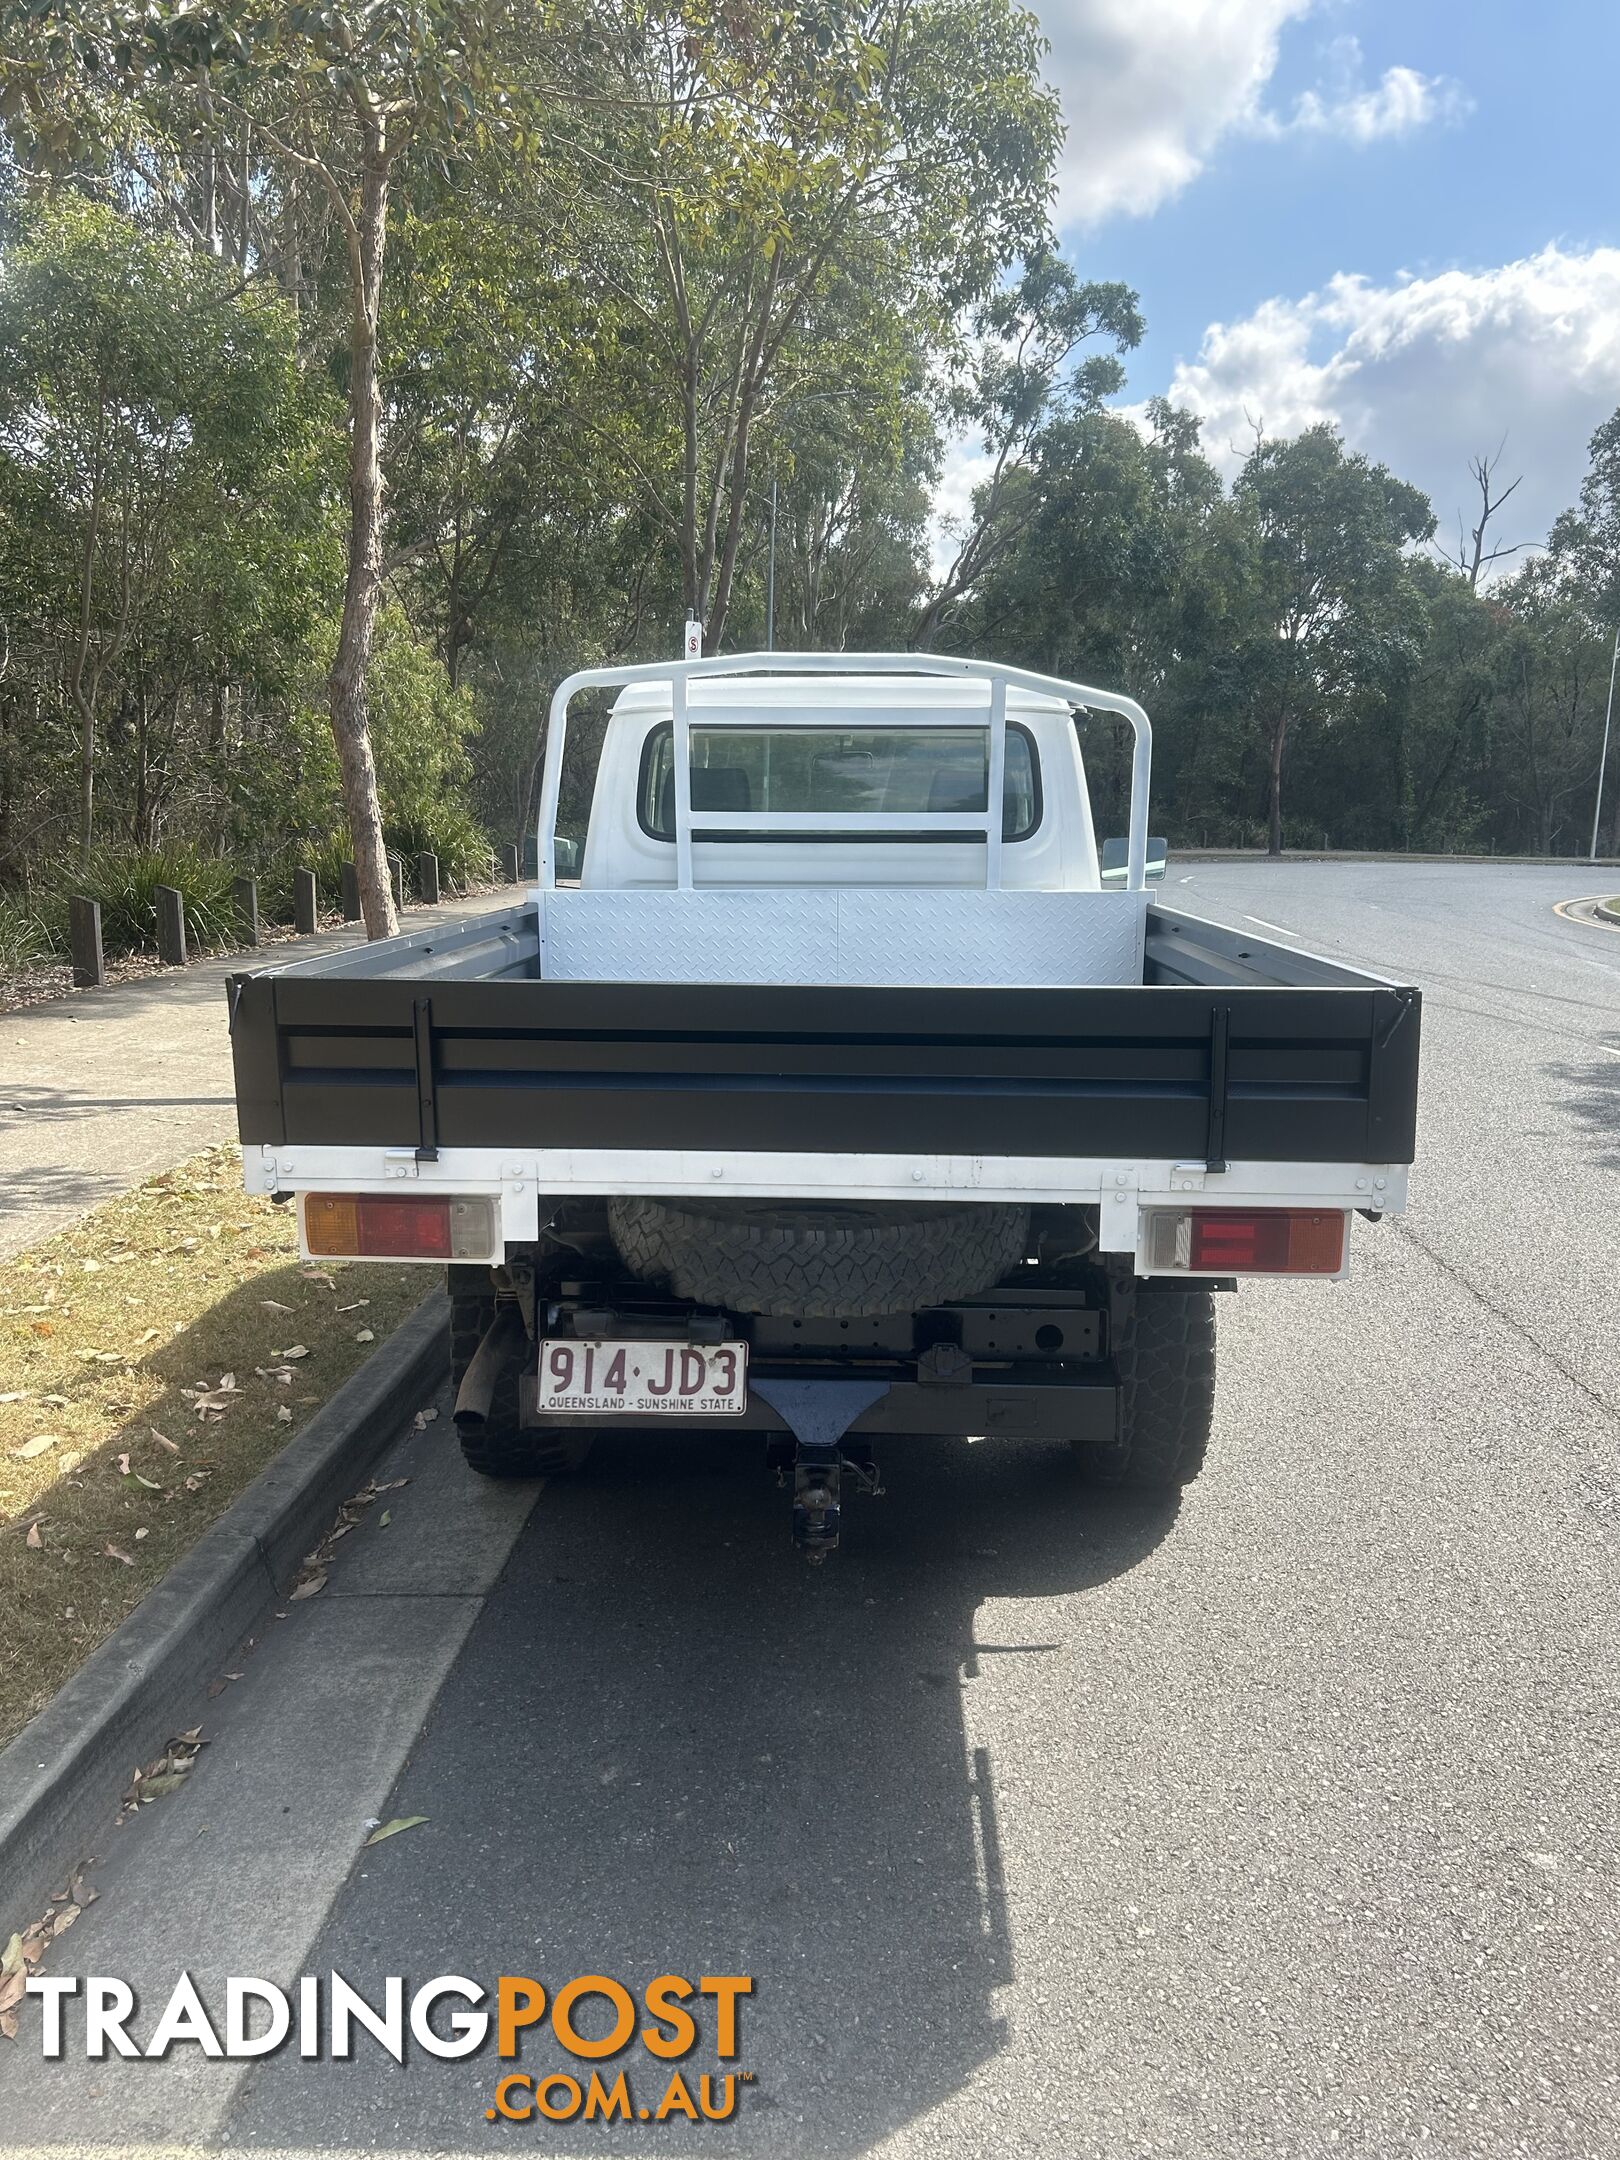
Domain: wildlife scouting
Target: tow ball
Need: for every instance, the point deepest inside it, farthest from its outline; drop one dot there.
(818, 1415)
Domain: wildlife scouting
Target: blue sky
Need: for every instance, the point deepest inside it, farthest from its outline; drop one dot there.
(1405, 219)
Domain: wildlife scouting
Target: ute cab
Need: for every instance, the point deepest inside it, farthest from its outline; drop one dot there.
(786, 779)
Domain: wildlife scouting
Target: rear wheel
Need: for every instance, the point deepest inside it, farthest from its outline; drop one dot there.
(1166, 1358)
(501, 1447)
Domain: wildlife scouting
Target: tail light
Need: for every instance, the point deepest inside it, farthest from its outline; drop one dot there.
(398, 1226)
(1247, 1241)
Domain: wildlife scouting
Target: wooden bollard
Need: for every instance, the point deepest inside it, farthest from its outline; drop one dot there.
(84, 937)
(509, 863)
(304, 902)
(427, 879)
(351, 893)
(171, 925)
(246, 890)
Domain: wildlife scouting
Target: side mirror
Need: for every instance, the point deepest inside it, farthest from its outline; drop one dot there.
(567, 857)
(1115, 855)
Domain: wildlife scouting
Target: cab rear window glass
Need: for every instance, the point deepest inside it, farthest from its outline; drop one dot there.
(833, 771)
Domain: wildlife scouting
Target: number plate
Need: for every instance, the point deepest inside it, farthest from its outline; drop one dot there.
(648, 1379)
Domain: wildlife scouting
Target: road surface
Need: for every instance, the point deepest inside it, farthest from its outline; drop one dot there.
(1282, 1823)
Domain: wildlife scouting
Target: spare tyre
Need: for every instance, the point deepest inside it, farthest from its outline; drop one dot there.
(806, 1260)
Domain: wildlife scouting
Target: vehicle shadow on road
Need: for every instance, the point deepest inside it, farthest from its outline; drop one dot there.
(669, 1746)
(1593, 1099)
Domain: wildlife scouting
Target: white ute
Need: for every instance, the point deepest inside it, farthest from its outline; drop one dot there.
(844, 1093)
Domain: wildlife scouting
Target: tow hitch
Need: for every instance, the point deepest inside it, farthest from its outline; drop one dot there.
(818, 1414)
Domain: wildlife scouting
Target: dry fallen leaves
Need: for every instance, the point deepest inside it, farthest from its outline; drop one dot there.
(393, 1828)
(33, 1540)
(312, 1580)
(167, 1773)
(213, 1402)
(25, 1949)
(37, 1446)
(424, 1418)
(113, 1553)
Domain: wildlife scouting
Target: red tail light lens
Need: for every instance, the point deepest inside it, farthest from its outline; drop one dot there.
(397, 1226)
(1249, 1241)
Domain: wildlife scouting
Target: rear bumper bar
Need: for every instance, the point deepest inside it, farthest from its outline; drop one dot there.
(1050, 1409)
(528, 1182)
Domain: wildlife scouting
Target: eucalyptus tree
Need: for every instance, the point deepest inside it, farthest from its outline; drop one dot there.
(165, 494)
(328, 98)
(738, 162)
(1330, 607)
(1021, 380)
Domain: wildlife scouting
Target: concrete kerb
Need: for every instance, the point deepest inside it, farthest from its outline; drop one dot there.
(62, 1777)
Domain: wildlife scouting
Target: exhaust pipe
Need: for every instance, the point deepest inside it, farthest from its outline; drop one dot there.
(502, 1346)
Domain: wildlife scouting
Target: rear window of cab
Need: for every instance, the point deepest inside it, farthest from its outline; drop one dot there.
(834, 771)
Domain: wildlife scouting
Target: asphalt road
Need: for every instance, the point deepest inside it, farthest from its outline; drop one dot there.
(1282, 1823)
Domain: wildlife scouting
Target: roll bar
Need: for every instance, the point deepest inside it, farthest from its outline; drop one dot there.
(678, 673)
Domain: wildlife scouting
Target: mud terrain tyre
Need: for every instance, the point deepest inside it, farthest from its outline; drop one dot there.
(501, 1448)
(843, 1260)
(1166, 1358)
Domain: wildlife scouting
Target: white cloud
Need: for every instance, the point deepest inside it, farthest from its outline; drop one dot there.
(1399, 104)
(965, 465)
(1151, 87)
(1426, 372)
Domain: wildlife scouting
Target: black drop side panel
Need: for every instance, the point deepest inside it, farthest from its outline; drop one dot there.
(1309, 1074)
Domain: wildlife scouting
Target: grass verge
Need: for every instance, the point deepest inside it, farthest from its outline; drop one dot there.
(153, 1358)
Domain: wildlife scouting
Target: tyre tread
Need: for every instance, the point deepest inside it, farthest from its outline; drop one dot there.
(1166, 1358)
(807, 1271)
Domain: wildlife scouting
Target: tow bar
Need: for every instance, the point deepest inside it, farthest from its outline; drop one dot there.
(818, 1415)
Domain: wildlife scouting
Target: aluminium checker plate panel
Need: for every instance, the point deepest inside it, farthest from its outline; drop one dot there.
(868, 937)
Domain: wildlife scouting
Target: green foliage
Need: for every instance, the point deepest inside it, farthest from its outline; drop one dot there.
(166, 530)
(124, 881)
(27, 936)
(287, 804)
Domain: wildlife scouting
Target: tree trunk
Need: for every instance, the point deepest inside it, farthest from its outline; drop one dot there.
(691, 592)
(83, 703)
(1279, 735)
(362, 592)
(142, 802)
